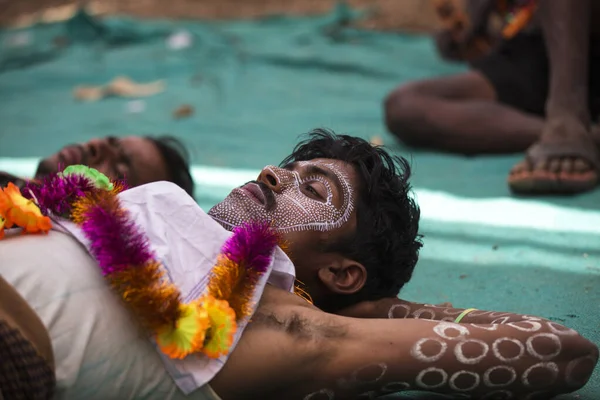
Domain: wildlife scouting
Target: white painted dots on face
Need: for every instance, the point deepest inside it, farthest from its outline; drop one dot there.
(544, 346)
(508, 349)
(464, 381)
(471, 351)
(301, 203)
(429, 349)
(499, 376)
(323, 394)
(432, 378)
(540, 375)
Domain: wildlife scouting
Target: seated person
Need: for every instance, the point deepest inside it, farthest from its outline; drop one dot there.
(140, 159)
(535, 91)
(348, 224)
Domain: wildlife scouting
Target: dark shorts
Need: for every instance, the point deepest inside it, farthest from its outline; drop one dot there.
(519, 71)
(24, 374)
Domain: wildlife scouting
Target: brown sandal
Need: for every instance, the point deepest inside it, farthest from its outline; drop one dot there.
(552, 180)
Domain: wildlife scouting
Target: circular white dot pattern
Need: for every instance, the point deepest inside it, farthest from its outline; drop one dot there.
(436, 373)
(544, 357)
(526, 326)
(549, 366)
(487, 380)
(471, 359)
(451, 331)
(404, 311)
(506, 358)
(571, 378)
(457, 375)
(417, 350)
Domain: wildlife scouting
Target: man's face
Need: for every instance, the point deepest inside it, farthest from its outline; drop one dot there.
(132, 157)
(309, 202)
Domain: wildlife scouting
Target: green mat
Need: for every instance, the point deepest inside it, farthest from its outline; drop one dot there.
(255, 86)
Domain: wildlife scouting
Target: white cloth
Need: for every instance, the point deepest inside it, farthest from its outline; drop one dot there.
(100, 353)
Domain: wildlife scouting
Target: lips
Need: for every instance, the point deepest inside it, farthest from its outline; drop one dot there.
(254, 191)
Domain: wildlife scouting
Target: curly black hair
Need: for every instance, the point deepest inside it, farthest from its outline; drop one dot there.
(386, 241)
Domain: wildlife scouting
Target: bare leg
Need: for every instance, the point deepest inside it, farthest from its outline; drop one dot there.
(459, 114)
(565, 159)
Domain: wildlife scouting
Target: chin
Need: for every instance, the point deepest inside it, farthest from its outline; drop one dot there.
(231, 212)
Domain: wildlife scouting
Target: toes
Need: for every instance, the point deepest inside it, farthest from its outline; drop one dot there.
(566, 166)
(580, 166)
(552, 165)
(521, 167)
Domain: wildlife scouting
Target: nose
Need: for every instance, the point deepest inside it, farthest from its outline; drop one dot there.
(274, 177)
(98, 150)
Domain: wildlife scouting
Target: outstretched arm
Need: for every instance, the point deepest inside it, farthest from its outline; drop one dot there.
(531, 359)
(395, 308)
(302, 353)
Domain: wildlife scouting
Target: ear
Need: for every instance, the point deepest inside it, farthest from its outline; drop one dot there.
(343, 276)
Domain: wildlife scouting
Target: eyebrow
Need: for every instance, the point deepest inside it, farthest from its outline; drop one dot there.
(313, 169)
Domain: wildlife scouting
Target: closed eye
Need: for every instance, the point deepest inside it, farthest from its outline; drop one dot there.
(313, 191)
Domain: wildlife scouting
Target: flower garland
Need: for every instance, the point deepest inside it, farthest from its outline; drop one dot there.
(517, 16)
(88, 198)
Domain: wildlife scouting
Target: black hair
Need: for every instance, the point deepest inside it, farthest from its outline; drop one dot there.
(386, 241)
(177, 160)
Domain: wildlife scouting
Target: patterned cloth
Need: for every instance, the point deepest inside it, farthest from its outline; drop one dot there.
(24, 374)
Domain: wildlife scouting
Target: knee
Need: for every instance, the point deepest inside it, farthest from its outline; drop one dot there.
(403, 111)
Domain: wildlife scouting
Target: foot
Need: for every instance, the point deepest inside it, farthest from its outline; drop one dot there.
(566, 166)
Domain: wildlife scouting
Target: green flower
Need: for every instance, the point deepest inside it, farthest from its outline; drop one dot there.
(99, 180)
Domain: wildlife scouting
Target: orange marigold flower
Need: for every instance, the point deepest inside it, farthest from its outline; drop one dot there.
(2, 222)
(17, 210)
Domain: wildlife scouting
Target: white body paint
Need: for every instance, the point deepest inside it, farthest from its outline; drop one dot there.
(294, 208)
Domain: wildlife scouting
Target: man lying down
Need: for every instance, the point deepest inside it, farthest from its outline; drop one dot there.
(86, 314)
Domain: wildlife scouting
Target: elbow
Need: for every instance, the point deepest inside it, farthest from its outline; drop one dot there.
(581, 362)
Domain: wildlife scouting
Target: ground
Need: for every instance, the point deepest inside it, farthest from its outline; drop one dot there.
(405, 15)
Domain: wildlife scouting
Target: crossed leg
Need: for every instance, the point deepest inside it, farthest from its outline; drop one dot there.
(459, 114)
(463, 114)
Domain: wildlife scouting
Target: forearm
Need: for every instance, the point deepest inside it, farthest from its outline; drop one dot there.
(516, 360)
(394, 308)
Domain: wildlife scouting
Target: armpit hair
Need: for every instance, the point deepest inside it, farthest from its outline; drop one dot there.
(297, 325)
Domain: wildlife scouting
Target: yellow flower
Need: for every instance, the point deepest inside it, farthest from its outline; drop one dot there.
(17, 210)
(222, 327)
(187, 336)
